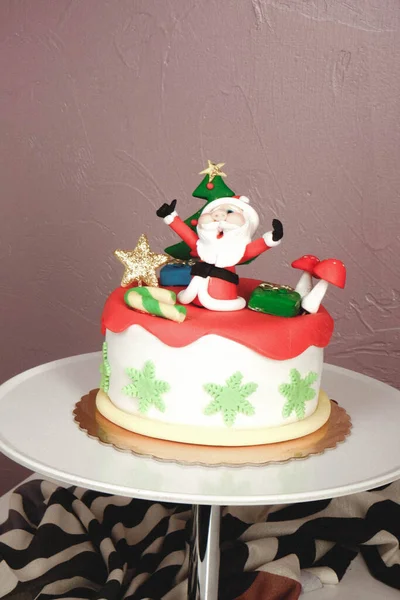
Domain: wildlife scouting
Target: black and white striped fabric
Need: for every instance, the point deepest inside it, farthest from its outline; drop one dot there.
(73, 543)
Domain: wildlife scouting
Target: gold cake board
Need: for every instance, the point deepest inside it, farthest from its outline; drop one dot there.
(334, 431)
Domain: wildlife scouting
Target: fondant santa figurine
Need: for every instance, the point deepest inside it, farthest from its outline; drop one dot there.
(223, 240)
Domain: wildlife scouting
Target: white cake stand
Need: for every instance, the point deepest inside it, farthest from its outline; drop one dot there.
(37, 430)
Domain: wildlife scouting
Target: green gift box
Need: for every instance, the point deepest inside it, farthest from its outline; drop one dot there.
(274, 299)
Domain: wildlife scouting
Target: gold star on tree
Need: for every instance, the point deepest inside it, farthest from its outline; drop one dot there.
(141, 264)
(213, 170)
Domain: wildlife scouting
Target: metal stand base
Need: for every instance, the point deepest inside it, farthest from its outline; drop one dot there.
(204, 553)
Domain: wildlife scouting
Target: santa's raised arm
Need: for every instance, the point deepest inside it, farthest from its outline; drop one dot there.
(223, 240)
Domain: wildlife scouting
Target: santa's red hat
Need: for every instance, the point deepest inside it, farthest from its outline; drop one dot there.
(241, 202)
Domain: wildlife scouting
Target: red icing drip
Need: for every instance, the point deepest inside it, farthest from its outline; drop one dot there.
(279, 338)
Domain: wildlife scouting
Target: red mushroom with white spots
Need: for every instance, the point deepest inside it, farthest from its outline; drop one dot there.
(330, 271)
(307, 264)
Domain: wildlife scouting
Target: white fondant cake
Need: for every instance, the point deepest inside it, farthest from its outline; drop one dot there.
(216, 361)
(209, 360)
(219, 379)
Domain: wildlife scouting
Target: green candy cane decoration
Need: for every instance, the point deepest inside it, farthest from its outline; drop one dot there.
(155, 301)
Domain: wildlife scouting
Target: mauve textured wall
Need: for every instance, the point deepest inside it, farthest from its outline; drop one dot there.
(108, 109)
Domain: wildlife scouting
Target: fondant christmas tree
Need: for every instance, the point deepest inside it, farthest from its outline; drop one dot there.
(211, 188)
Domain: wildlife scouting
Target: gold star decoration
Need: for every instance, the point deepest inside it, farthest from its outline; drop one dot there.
(141, 264)
(213, 170)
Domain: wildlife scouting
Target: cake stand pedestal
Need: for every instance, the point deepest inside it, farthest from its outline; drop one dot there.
(37, 430)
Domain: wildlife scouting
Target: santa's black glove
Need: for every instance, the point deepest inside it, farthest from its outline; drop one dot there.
(277, 230)
(166, 209)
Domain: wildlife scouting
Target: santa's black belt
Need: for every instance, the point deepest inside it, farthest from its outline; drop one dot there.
(203, 269)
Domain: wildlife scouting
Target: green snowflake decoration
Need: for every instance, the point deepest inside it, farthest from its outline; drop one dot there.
(146, 388)
(297, 393)
(105, 370)
(230, 399)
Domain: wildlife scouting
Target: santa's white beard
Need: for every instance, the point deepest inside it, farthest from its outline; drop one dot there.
(226, 251)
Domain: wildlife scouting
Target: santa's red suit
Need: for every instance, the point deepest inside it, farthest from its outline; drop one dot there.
(214, 281)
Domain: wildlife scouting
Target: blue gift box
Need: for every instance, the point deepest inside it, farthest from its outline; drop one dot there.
(175, 274)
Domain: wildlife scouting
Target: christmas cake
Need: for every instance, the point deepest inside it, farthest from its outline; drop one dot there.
(206, 358)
